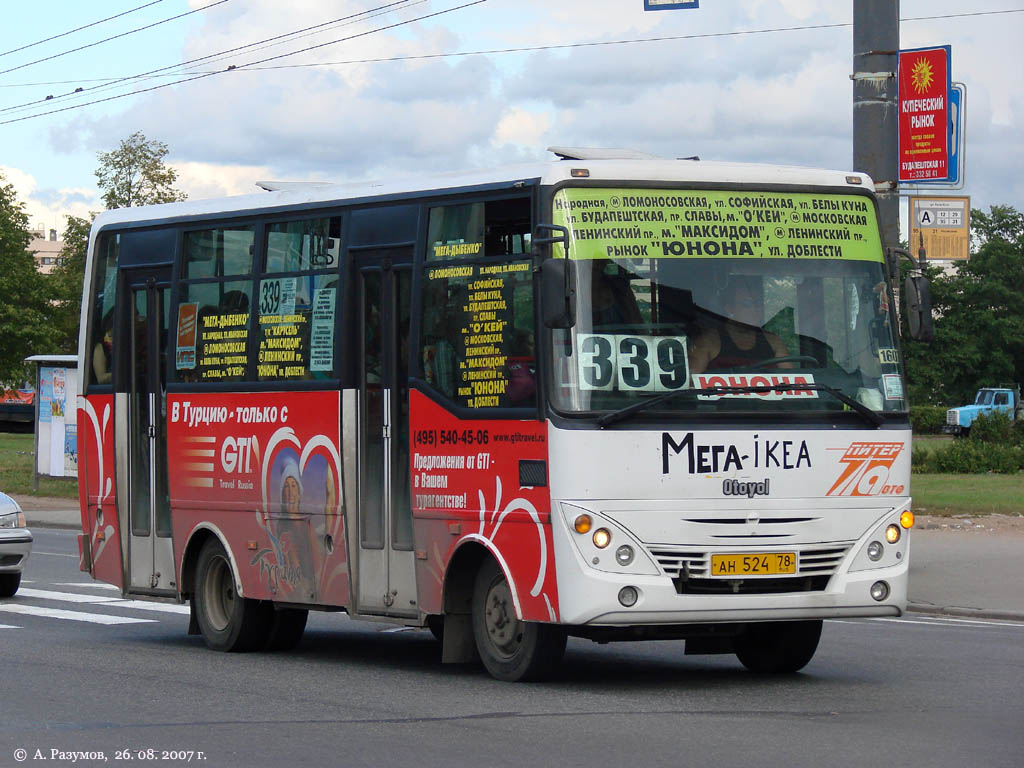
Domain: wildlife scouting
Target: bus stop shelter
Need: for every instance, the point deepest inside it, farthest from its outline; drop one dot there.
(56, 422)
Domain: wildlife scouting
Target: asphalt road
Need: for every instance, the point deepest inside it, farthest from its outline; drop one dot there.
(922, 691)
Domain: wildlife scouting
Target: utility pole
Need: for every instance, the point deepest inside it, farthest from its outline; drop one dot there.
(876, 45)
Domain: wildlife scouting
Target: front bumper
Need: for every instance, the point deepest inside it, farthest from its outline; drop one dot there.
(15, 547)
(588, 596)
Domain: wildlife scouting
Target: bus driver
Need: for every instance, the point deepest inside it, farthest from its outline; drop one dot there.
(739, 340)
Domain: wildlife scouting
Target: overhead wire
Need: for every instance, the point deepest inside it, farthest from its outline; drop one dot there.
(523, 49)
(107, 84)
(599, 43)
(79, 29)
(254, 66)
(114, 37)
(243, 66)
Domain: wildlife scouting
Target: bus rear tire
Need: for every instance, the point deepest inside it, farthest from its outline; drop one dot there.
(511, 650)
(778, 647)
(286, 628)
(435, 624)
(227, 621)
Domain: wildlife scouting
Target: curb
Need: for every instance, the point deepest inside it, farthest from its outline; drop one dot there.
(53, 525)
(969, 613)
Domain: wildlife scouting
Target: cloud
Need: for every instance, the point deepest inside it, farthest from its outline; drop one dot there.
(205, 180)
(772, 97)
(47, 208)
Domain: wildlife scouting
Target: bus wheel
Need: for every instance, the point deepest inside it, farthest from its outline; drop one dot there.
(511, 649)
(436, 626)
(286, 628)
(778, 647)
(227, 621)
(9, 583)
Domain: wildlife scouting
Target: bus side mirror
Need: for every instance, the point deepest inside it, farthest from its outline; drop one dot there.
(917, 296)
(558, 293)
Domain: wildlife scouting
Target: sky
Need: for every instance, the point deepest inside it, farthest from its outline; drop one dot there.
(377, 93)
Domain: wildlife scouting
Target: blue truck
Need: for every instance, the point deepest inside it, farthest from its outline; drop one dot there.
(1005, 399)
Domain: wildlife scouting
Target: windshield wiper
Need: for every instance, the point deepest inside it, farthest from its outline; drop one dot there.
(875, 418)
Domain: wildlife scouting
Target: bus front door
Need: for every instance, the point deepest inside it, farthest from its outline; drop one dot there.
(386, 573)
(150, 552)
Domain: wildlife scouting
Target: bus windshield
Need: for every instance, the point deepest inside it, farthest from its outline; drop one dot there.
(739, 302)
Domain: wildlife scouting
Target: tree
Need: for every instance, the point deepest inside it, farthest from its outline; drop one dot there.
(135, 174)
(979, 317)
(25, 327)
(66, 284)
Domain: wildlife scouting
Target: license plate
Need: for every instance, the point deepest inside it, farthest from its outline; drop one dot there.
(754, 564)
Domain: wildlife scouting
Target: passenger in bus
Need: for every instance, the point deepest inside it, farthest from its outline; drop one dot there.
(522, 369)
(612, 301)
(440, 360)
(103, 352)
(738, 340)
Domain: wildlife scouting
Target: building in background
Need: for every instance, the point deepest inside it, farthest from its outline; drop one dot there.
(45, 249)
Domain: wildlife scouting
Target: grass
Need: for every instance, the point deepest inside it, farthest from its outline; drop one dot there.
(16, 470)
(932, 443)
(950, 495)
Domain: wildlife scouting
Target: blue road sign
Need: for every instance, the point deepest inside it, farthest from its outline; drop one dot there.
(956, 136)
(670, 5)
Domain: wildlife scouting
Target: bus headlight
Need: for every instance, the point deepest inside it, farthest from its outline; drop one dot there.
(624, 555)
(605, 545)
(885, 545)
(879, 591)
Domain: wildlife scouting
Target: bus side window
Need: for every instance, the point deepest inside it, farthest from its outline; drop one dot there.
(213, 313)
(477, 310)
(101, 345)
(297, 300)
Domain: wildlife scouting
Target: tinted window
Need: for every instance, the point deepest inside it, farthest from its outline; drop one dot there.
(296, 311)
(103, 298)
(477, 310)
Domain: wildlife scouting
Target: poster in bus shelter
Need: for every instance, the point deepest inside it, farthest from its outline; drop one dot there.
(924, 86)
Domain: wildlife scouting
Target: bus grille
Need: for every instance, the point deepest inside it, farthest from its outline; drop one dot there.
(953, 417)
(689, 570)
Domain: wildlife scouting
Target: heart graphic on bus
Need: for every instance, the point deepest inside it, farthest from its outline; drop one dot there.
(300, 484)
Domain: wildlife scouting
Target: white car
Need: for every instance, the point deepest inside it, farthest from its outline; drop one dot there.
(15, 545)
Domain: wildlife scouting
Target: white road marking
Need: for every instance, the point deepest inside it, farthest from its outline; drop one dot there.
(944, 621)
(116, 602)
(56, 613)
(87, 584)
(8, 626)
(53, 554)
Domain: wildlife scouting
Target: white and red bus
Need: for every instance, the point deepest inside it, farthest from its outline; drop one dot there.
(608, 396)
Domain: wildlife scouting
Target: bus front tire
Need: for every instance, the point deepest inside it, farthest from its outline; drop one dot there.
(511, 650)
(778, 647)
(227, 621)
